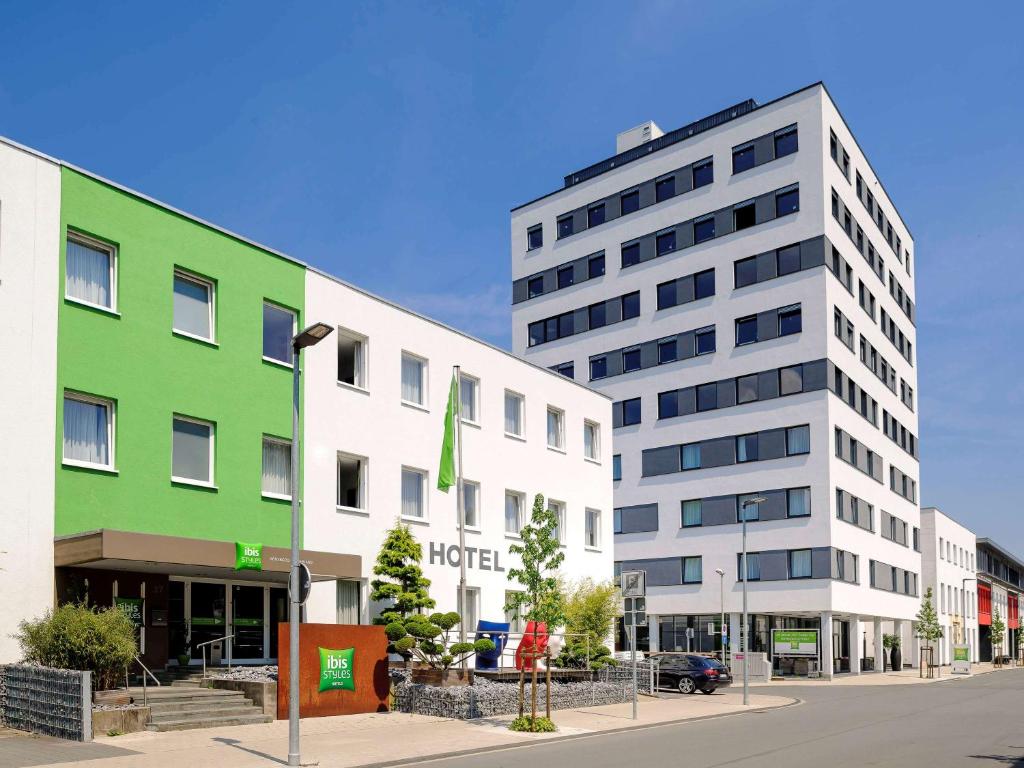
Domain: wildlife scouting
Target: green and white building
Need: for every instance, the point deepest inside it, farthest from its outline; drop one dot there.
(147, 390)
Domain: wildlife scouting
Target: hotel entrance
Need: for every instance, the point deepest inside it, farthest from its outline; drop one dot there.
(193, 593)
(239, 618)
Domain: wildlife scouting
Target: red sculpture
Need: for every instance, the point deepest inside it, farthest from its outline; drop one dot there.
(527, 654)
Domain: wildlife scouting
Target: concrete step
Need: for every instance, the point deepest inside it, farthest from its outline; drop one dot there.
(186, 683)
(198, 705)
(169, 694)
(209, 722)
(201, 715)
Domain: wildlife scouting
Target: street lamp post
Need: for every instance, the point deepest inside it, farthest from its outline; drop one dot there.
(307, 338)
(754, 502)
(721, 629)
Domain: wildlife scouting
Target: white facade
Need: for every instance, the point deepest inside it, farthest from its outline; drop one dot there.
(29, 232)
(948, 552)
(371, 420)
(861, 610)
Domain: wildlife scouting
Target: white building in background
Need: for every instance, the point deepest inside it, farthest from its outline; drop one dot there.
(29, 238)
(376, 394)
(743, 288)
(948, 551)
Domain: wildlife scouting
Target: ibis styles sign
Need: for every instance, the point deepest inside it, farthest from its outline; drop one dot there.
(248, 557)
(336, 669)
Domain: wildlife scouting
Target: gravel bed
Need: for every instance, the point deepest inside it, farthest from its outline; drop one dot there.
(486, 698)
(113, 707)
(265, 674)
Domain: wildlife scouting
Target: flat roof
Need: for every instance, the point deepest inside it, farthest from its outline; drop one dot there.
(696, 128)
(1005, 553)
(281, 254)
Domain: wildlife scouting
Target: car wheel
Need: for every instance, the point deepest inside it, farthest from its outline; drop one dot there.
(686, 685)
(708, 691)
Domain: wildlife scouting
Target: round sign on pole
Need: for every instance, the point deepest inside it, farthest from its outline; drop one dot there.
(305, 584)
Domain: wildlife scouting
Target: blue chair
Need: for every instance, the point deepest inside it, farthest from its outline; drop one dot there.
(497, 633)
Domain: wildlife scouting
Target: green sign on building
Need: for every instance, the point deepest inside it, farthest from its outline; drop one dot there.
(132, 607)
(336, 669)
(795, 642)
(248, 557)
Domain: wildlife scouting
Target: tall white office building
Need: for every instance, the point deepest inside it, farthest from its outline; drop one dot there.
(743, 288)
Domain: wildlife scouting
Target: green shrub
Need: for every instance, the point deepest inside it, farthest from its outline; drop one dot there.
(539, 725)
(77, 637)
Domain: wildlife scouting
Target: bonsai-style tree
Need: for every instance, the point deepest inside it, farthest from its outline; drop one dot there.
(927, 628)
(998, 632)
(400, 580)
(428, 639)
(590, 610)
(541, 598)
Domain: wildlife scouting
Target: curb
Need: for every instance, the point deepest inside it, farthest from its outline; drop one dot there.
(571, 737)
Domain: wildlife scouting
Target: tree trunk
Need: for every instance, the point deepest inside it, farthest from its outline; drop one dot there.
(533, 692)
(547, 686)
(522, 692)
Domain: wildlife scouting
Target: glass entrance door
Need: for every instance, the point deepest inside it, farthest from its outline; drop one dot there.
(247, 622)
(278, 615)
(208, 615)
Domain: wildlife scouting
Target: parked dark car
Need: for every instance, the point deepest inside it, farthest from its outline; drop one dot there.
(691, 673)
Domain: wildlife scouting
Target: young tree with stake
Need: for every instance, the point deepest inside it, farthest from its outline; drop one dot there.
(541, 597)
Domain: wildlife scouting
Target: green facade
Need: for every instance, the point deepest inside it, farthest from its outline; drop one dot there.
(135, 359)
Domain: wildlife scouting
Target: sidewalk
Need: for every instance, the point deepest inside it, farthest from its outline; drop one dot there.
(359, 740)
(903, 677)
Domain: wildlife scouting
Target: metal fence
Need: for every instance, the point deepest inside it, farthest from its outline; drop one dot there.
(52, 702)
(623, 675)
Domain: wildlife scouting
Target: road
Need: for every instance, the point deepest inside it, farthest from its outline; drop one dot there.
(975, 722)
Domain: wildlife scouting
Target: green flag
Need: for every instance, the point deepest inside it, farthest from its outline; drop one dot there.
(446, 472)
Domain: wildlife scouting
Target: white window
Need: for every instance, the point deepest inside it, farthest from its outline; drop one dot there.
(193, 306)
(352, 479)
(514, 503)
(471, 613)
(514, 405)
(469, 399)
(592, 532)
(942, 552)
(514, 617)
(91, 272)
(352, 349)
(277, 468)
(88, 431)
(348, 602)
(414, 493)
(192, 450)
(414, 384)
(558, 507)
(800, 564)
(471, 503)
(591, 440)
(278, 332)
(556, 429)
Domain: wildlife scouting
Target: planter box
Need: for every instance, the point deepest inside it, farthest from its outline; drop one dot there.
(442, 678)
(123, 720)
(263, 694)
(115, 698)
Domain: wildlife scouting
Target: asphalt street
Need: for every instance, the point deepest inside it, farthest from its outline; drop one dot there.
(975, 722)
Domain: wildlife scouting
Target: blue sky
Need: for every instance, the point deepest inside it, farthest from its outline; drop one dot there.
(386, 144)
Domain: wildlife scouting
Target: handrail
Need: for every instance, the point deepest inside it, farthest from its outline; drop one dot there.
(145, 669)
(209, 642)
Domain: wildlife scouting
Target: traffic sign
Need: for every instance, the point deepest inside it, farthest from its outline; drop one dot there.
(635, 612)
(305, 584)
(633, 583)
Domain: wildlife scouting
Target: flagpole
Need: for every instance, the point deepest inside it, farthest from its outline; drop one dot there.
(460, 506)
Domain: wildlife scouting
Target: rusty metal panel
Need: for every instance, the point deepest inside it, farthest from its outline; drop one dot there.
(370, 682)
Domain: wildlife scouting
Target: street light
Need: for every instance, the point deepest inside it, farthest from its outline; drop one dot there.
(721, 629)
(754, 502)
(307, 338)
